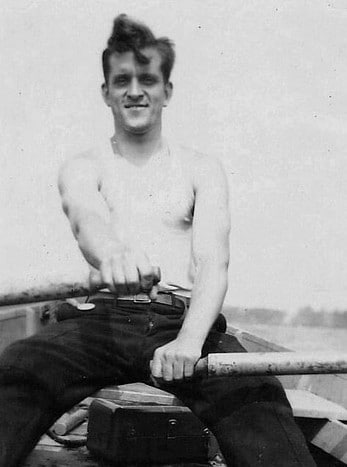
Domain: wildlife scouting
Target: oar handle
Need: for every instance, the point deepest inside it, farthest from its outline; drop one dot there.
(272, 363)
(53, 291)
(70, 420)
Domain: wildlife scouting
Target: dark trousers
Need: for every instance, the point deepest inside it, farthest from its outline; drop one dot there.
(44, 375)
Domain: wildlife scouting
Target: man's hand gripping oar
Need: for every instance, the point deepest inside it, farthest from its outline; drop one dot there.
(14, 295)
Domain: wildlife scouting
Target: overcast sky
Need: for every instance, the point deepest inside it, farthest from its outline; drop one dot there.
(259, 84)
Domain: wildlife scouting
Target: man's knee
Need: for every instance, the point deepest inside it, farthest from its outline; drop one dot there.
(17, 362)
(28, 361)
(15, 355)
(227, 395)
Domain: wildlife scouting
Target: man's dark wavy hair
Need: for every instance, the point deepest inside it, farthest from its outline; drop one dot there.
(130, 35)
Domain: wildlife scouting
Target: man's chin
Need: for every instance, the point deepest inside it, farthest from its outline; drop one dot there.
(137, 129)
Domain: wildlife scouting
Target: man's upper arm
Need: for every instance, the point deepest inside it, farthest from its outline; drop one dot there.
(211, 224)
(79, 189)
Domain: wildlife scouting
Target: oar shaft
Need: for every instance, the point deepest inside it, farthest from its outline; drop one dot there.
(48, 292)
(273, 363)
(17, 294)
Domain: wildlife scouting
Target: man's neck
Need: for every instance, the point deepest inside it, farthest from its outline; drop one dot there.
(137, 149)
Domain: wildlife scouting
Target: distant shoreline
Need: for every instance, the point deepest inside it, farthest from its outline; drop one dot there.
(304, 317)
(298, 338)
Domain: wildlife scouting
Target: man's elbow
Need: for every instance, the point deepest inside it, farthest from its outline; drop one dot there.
(214, 262)
(215, 273)
(222, 268)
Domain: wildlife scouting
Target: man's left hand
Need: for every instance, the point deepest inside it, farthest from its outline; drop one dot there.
(176, 360)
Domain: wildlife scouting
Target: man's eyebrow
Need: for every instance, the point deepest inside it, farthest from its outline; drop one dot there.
(149, 74)
(120, 76)
(121, 73)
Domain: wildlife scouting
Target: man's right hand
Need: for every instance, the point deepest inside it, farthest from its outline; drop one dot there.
(125, 272)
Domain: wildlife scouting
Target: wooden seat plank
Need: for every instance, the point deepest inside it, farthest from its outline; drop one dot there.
(332, 438)
(138, 392)
(307, 404)
(304, 403)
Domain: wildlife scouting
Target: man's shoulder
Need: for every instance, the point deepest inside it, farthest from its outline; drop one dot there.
(85, 157)
(91, 158)
(194, 160)
(85, 167)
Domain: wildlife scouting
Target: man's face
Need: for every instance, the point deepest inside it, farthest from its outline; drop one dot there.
(136, 93)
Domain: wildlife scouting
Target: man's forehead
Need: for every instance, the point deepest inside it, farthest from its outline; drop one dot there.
(126, 61)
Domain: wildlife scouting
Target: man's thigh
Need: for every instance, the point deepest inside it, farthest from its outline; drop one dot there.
(97, 346)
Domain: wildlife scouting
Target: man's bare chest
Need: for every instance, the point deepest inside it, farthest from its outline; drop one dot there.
(158, 193)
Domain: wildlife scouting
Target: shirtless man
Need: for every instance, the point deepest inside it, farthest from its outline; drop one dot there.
(137, 205)
(151, 190)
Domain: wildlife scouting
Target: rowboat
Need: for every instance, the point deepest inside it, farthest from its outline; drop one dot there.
(319, 400)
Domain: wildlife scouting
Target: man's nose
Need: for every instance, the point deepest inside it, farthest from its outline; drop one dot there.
(134, 89)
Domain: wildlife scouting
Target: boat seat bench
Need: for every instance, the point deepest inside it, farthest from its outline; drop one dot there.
(304, 403)
(331, 437)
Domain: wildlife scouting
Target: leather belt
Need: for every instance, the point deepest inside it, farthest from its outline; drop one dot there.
(163, 298)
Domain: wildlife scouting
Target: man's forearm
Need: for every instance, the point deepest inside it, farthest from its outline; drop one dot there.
(95, 240)
(122, 269)
(208, 294)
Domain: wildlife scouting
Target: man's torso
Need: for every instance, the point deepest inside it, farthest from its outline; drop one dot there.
(151, 207)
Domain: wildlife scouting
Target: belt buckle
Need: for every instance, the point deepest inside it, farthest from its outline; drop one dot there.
(142, 298)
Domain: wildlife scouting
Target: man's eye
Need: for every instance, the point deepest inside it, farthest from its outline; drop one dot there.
(148, 80)
(121, 81)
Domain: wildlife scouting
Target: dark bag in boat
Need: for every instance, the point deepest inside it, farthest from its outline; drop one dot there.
(146, 434)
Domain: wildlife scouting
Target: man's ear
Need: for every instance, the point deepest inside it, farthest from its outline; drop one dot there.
(104, 93)
(168, 93)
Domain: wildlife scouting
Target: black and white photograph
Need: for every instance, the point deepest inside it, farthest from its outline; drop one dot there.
(173, 209)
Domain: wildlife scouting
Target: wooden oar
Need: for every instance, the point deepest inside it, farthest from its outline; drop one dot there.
(15, 295)
(48, 292)
(272, 363)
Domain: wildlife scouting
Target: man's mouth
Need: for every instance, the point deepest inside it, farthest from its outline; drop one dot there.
(135, 106)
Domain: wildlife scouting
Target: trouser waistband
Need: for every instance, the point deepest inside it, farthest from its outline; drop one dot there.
(163, 298)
